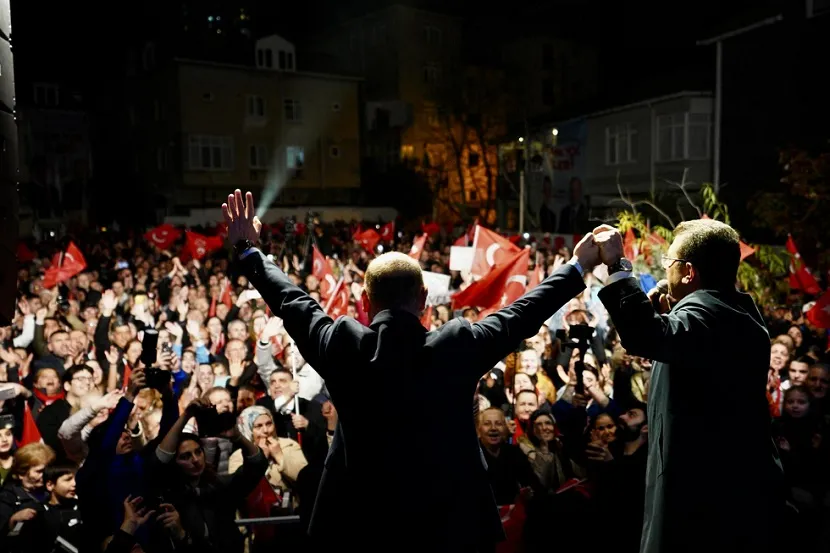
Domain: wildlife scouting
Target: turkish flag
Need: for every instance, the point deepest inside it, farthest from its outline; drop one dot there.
(746, 250)
(426, 318)
(163, 236)
(64, 267)
(819, 314)
(321, 269)
(503, 285)
(197, 245)
(490, 249)
(387, 231)
(31, 434)
(225, 297)
(24, 254)
(630, 246)
(339, 301)
(800, 276)
(418, 246)
(430, 228)
(369, 239)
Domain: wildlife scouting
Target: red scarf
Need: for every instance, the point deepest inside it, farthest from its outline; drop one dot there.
(45, 399)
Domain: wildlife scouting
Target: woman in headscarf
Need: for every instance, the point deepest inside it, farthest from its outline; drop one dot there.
(285, 456)
(277, 493)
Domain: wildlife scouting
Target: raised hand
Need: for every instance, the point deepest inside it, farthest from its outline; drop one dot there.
(610, 244)
(587, 253)
(243, 224)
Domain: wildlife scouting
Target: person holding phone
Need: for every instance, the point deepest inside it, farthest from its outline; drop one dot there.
(435, 498)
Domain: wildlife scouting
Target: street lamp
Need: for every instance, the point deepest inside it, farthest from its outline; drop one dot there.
(555, 131)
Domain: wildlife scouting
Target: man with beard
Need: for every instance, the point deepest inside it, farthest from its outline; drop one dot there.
(621, 474)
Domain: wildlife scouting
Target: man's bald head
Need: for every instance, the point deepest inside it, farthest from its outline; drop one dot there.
(394, 281)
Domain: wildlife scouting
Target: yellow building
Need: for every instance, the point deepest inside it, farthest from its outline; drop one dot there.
(418, 105)
(290, 135)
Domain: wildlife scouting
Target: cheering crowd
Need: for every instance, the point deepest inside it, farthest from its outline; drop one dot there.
(151, 398)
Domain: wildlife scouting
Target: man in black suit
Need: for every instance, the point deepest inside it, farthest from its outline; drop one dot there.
(405, 469)
(713, 479)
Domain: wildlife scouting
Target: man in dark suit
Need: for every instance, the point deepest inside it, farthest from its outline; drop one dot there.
(713, 479)
(405, 469)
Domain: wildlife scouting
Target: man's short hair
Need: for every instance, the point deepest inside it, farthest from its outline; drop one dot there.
(393, 280)
(713, 248)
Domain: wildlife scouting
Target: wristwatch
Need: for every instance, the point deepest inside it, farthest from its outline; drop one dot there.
(242, 246)
(622, 265)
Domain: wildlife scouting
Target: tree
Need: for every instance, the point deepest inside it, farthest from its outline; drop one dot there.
(801, 205)
(762, 275)
(461, 155)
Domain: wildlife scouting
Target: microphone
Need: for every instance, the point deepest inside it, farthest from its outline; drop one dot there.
(662, 289)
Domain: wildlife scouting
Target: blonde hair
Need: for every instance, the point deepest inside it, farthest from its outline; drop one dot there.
(393, 280)
(30, 456)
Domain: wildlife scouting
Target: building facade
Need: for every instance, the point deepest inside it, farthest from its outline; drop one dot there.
(290, 136)
(642, 149)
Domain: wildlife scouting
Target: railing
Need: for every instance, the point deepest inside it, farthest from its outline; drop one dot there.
(248, 523)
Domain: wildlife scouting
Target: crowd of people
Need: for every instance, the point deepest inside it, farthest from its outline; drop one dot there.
(150, 401)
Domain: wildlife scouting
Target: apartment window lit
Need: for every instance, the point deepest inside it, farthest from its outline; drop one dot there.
(258, 156)
(256, 106)
(433, 35)
(620, 144)
(407, 151)
(210, 153)
(295, 160)
(293, 110)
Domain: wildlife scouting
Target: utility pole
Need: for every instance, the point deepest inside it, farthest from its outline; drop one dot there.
(718, 42)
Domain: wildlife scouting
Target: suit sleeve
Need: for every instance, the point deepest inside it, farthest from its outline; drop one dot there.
(501, 333)
(304, 318)
(677, 336)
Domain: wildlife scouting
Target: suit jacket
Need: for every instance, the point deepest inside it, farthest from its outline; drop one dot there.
(713, 479)
(403, 461)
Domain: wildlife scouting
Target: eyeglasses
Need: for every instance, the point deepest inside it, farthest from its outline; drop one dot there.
(669, 261)
(81, 379)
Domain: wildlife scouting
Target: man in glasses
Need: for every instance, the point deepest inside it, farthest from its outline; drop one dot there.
(714, 481)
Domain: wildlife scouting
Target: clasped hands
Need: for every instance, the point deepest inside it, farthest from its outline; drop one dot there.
(603, 245)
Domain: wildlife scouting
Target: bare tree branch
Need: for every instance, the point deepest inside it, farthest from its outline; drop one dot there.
(682, 186)
(632, 204)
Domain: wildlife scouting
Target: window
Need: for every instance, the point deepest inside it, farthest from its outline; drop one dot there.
(379, 35)
(547, 57)
(161, 159)
(260, 58)
(620, 144)
(281, 58)
(407, 151)
(258, 156)
(683, 136)
(699, 131)
(290, 63)
(293, 111)
(432, 74)
(548, 98)
(432, 35)
(269, 59)
(210, 153)
(295, 160)
(334, 151)
(256, 106)
(46, 95)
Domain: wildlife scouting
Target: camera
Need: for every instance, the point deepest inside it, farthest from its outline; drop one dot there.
(212, 423)
(157, 379)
